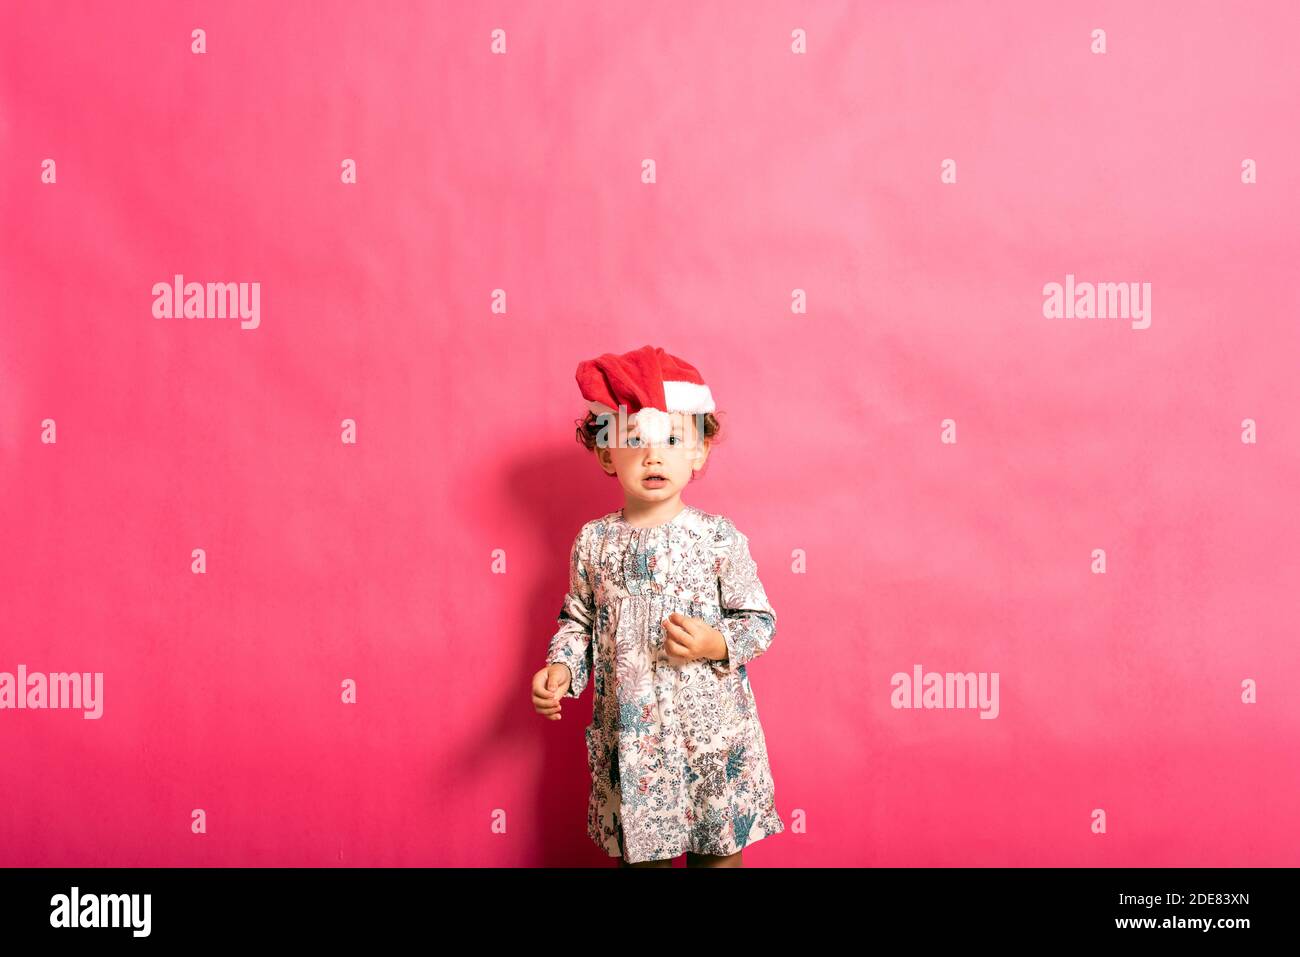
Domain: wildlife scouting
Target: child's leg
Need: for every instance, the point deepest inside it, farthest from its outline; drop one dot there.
(713, 860)
(666, 862)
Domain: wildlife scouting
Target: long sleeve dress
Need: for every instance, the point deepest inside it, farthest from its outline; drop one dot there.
(677, 756)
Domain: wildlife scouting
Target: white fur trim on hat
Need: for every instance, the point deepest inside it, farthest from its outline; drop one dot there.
(653, 425)
(688, 397)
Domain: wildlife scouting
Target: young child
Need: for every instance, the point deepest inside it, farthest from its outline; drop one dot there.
(663, 614)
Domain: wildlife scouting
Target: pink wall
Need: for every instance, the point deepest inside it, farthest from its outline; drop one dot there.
(776, 171)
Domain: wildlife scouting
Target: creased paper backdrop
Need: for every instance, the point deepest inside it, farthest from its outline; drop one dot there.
(851, 214)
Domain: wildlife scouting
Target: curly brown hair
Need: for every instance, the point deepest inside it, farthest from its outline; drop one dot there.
(589, 429)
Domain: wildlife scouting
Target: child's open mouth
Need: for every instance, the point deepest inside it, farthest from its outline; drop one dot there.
(654, 481)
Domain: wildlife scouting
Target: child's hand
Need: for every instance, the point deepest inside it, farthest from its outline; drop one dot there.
(687, 639)
(549, 685)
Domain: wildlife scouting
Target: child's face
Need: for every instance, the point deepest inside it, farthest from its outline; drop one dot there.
(634, 462)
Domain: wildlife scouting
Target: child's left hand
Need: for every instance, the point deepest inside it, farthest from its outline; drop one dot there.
(687, 639)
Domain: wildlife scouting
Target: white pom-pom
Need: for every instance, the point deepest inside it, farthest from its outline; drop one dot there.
(653, 425)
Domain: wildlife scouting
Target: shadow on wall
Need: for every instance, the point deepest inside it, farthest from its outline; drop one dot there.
(546, 499)
(564, 784)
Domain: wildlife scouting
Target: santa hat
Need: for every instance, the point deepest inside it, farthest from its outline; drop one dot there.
(649, 383)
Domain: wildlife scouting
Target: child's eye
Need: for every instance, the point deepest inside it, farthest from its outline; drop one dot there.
(634, 441)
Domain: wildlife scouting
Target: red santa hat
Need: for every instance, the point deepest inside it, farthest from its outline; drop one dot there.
(649, 383)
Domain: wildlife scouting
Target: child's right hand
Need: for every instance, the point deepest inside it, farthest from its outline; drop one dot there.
(549, 686)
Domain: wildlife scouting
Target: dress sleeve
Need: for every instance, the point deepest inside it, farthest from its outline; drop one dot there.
(571, 643)
(748, 621)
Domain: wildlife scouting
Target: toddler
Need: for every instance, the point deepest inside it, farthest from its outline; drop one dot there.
(664, 612)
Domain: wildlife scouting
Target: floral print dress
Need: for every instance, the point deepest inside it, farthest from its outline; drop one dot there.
(676, 753)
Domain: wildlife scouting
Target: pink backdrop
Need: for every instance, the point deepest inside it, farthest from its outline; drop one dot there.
(776, 171)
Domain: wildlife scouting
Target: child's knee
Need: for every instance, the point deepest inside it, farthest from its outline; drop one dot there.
(713, 860)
